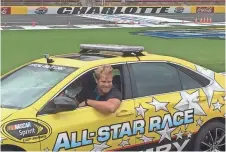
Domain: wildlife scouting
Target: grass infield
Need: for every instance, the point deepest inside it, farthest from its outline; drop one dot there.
(19, 47)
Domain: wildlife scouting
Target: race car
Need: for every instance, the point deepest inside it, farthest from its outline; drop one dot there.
(168, 104)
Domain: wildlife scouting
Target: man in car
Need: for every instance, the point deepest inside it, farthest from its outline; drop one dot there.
(105, 97)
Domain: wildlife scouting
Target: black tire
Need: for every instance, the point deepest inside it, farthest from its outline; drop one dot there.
(11, 149)
(207, 135)
(7, 149)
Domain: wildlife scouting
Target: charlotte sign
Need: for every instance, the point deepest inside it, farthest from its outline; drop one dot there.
(108, 10)
(111, 10)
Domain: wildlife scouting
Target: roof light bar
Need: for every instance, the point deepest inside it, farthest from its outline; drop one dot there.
(110, 47)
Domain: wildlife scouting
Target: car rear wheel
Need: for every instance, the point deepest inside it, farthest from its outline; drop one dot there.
(211, 137)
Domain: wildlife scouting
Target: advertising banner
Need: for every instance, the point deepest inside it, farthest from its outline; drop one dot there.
(208, 9)
(5, 10)
(18, 10)
(108, 10)
(180, 9)
(41, 10)
(219, 9)
(202, 9)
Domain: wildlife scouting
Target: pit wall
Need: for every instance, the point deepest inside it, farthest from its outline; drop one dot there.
(41, 10)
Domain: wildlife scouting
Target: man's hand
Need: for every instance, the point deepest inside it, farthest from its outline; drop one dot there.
(82, 104)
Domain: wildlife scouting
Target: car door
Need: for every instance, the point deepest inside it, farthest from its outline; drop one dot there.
(165, 105)
(87, 129)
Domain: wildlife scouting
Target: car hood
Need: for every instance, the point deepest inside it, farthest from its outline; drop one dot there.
(5, 112)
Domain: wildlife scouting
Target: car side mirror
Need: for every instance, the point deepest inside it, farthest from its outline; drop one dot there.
(64, 104)
(59, 104)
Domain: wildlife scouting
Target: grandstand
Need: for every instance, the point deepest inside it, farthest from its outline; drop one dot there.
(108, 2)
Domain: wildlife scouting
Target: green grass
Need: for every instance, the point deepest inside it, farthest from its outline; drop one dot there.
(19, 47)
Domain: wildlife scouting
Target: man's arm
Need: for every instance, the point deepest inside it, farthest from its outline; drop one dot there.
(107, 107)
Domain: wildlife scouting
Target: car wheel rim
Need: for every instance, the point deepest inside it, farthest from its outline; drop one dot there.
(214, 140)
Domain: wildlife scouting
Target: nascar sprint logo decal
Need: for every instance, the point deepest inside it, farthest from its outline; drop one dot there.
(26, 131)
(118, 131)
(111, 10)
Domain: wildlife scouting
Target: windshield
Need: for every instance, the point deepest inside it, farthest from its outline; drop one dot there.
(25, 86)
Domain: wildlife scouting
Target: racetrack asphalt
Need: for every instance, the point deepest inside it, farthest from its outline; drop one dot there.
(77, 20)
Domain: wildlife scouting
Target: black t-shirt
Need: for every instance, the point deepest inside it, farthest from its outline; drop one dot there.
(92, 94)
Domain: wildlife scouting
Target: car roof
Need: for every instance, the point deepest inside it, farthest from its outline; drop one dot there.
(94, 60)
(77, 60)
(101, 53)
(97, 54)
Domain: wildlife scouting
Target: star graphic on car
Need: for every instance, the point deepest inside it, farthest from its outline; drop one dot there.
(209, 90)
(189, 134)
(159, 105)
(179, 134)
(190, 101)
(199, 122)
(166, 133)
(146, 139)
(217, 106)
(124, 143)
(141, 111)
(100, 147)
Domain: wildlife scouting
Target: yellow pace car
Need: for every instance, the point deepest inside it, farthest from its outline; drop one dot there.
(168, 104)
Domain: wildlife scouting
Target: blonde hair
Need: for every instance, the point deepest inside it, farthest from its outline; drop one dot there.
(103, 70)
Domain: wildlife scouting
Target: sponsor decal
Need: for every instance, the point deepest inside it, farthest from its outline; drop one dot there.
(41, 10)
(111, 10)
(157, 124)
(179, 10)
(18, 126)
(5, 10)
(204, 9)
(54, 67)
(26, 131)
